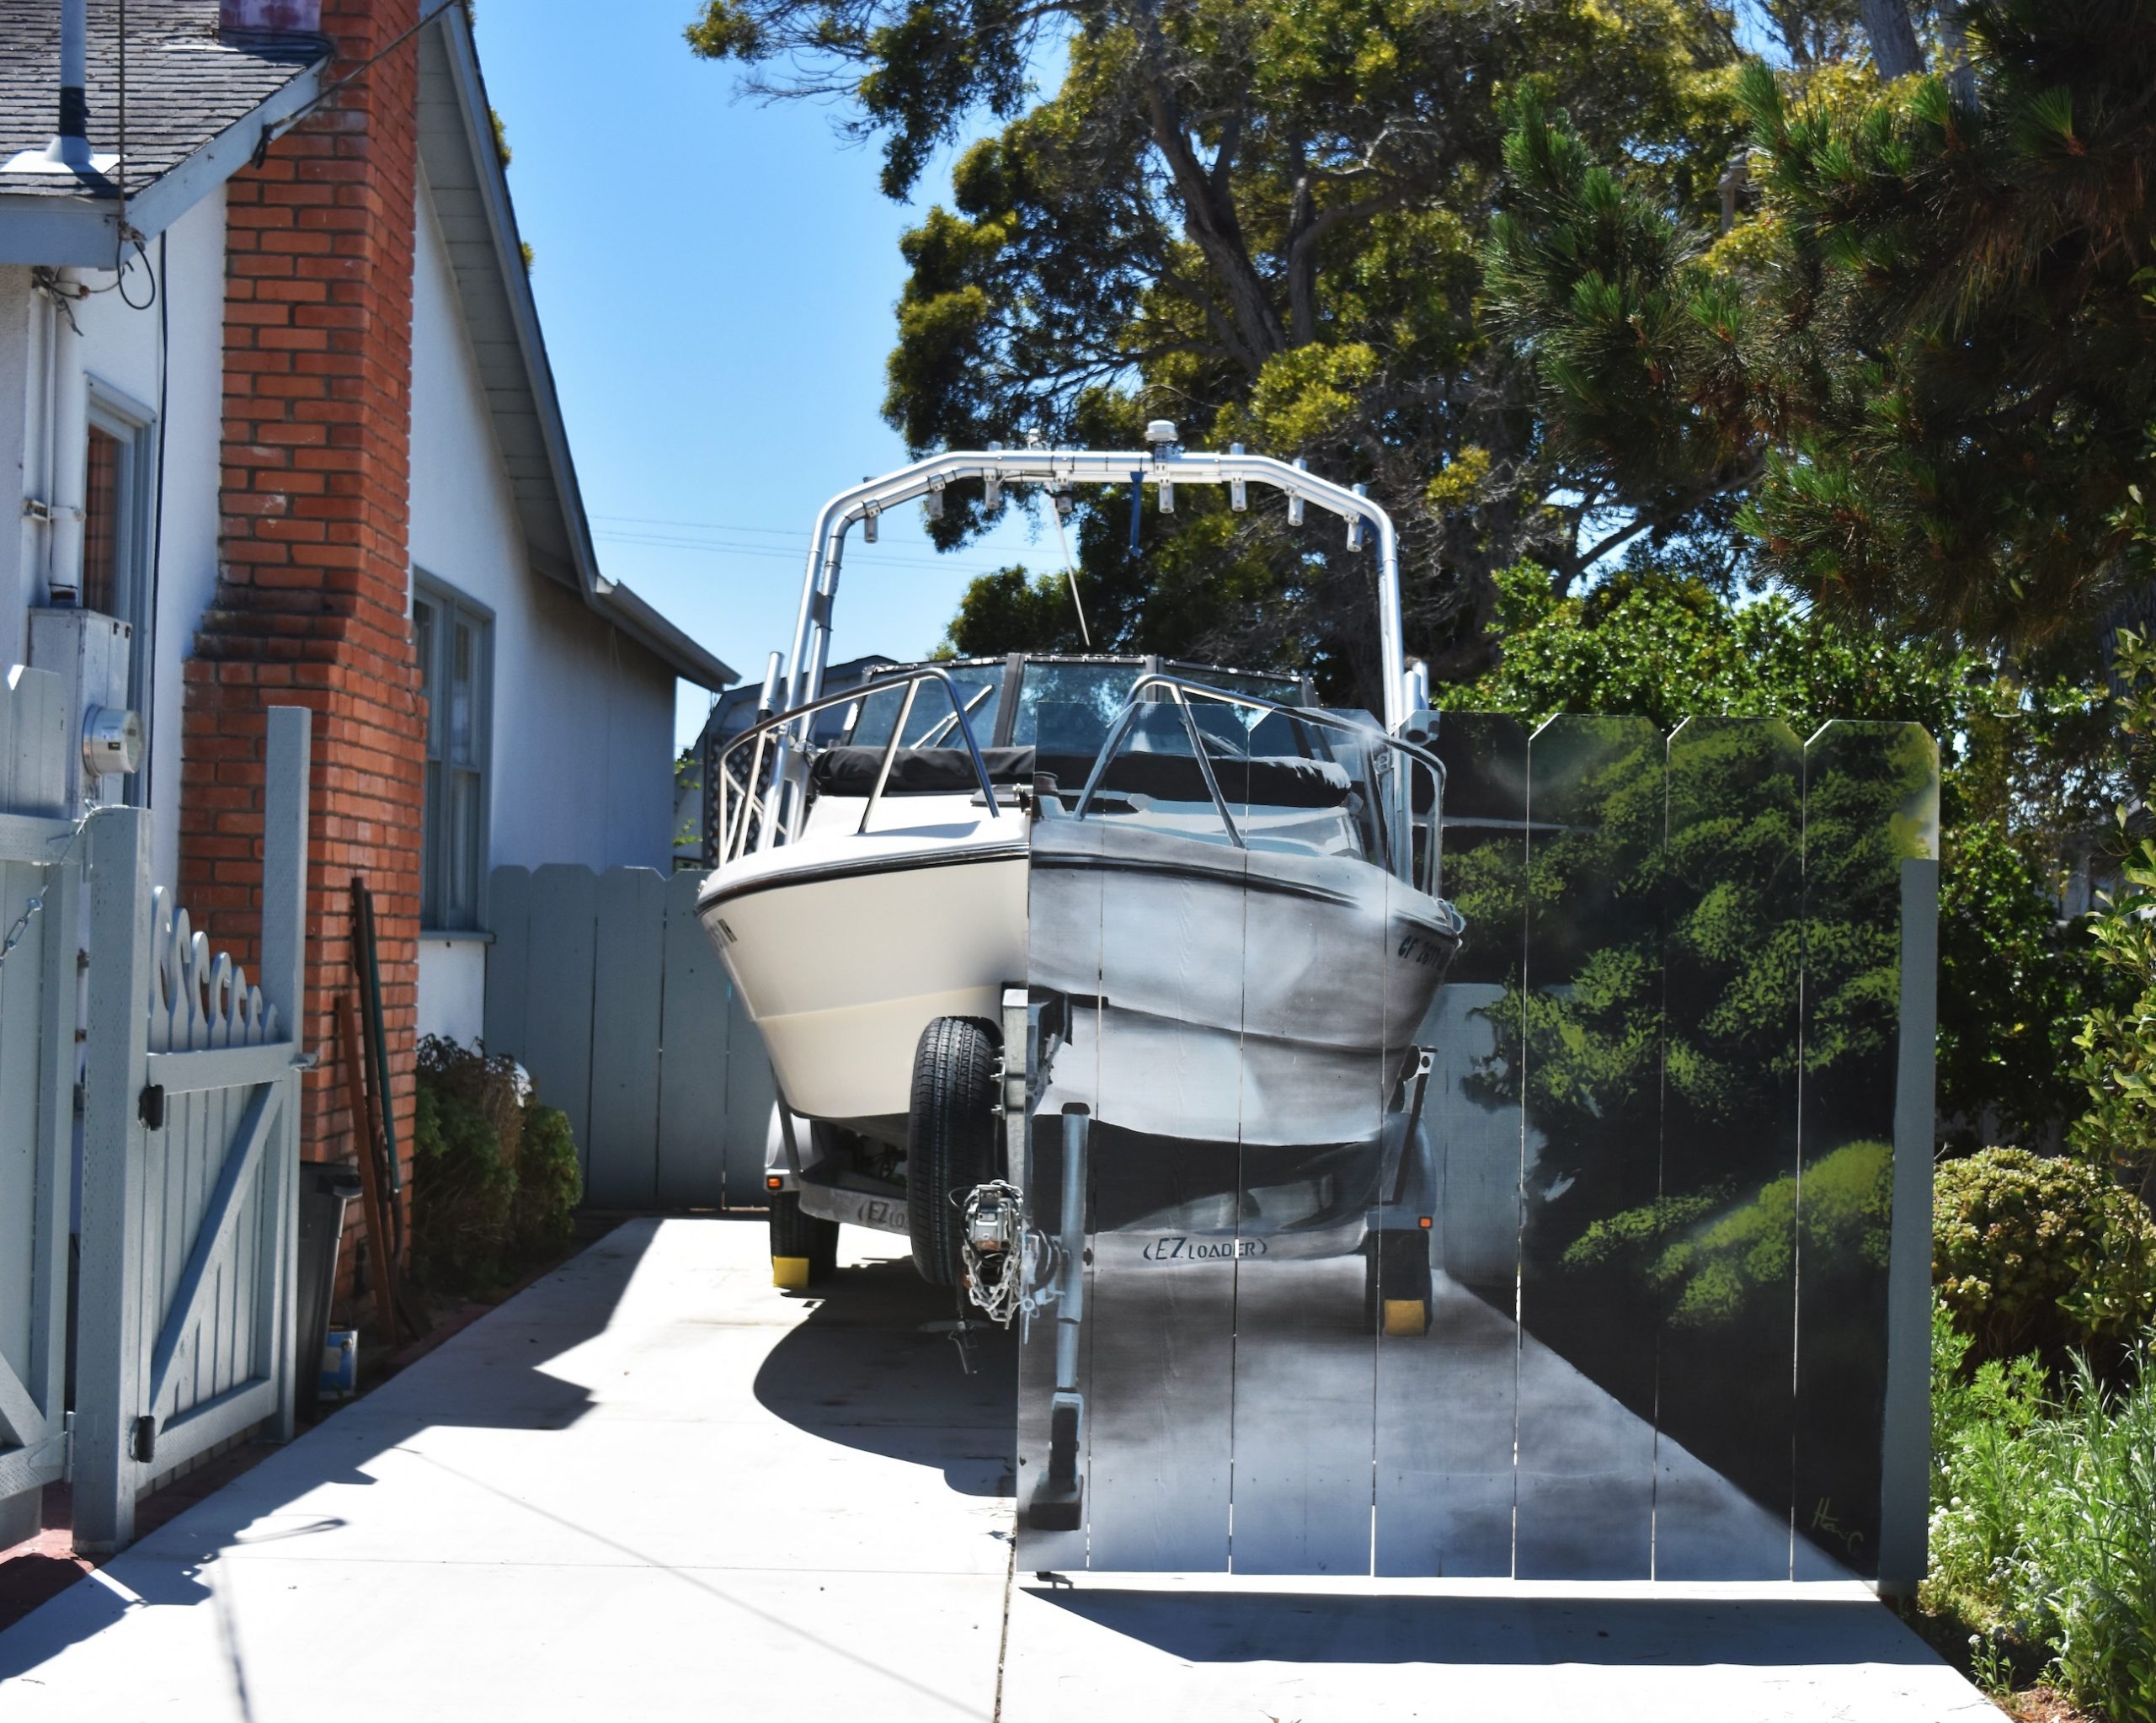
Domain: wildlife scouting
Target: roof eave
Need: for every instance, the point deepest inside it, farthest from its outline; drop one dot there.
(647, 626)
(614, 602)
(83, 231)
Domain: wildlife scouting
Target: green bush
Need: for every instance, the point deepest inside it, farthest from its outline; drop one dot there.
(2043, 1527)
(494, 1174)
(2036, 1253)
(548, 1185)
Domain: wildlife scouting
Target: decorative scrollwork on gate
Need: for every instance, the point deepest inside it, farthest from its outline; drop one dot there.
(199, 998)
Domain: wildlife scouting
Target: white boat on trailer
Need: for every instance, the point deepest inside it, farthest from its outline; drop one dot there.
(872, 898)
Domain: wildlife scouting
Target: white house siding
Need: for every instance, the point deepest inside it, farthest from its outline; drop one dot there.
(583, 719)
(173, 348)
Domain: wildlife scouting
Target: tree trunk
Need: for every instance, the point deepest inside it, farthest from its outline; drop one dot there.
(1894, 48)
(1960, 75)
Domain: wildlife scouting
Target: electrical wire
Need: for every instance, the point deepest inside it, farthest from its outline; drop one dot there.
(271, 133)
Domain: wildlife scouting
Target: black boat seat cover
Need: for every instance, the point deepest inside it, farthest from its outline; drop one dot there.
(1269, 781)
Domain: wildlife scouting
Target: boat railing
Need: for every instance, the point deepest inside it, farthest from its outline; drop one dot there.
(1181, 689)
(754, 805)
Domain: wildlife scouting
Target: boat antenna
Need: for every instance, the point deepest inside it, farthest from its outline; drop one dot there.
(1061, 500)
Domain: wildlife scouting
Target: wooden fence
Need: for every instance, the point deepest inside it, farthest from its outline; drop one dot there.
(40, 878)
(606, 990)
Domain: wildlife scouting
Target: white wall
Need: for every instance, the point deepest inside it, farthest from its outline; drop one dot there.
(452, 987)
(174, 348)
(582, 762)
(583, 718)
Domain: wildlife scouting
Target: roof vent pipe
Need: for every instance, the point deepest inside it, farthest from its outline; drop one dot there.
(69, 151)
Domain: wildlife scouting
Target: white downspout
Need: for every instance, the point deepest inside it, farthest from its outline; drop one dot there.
(37, 463)
(68, 450)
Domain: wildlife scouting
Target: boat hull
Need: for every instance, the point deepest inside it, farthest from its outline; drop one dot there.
(1222, 995)
(843, 960)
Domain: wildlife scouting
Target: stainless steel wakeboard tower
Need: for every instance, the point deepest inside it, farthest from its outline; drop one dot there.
(1164, 466)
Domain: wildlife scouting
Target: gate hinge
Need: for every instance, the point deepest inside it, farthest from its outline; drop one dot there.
(150, 1106)
(142, 1448)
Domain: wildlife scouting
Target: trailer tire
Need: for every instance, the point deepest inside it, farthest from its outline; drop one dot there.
(804, 1247)
(950, 1139)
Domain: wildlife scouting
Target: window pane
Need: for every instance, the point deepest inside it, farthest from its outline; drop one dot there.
(930, 723)
(102, 525)
(463, 881)
(463, 694)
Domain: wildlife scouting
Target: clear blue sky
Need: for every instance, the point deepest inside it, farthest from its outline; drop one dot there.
(717, 279)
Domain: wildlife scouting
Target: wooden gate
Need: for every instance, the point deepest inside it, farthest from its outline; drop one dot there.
(40, 862)
(185, 1331)
(606, 990)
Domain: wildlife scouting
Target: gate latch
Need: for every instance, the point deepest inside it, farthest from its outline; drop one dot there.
(150, 1106)
(143, 1447)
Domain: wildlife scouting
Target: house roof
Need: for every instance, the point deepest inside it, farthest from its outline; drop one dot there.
(198, 101)
(470, 193)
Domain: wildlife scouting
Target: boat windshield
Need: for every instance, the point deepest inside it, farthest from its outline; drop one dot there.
(930, 723)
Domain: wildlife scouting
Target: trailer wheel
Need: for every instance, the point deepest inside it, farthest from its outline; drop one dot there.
(950, 1139)
(1396, 1283)
(804, 1247)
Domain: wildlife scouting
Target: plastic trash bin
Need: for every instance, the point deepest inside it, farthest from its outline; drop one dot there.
(324, 1190)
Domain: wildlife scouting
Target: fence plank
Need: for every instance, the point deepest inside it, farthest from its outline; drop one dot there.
(626, 969)
(108, 1330)
(557, 1000)
(508, 960)
(692, 1137)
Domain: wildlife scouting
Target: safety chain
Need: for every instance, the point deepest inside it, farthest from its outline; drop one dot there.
(32, 909)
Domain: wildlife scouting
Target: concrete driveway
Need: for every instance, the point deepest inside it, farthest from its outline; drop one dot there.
(651, 1487)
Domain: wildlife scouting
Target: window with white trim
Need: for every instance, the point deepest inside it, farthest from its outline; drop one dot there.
(454, 639)
(119, 501)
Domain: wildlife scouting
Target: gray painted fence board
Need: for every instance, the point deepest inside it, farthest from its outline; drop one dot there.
(693, 1057)
(605, 989)
(558, 1002)
(508, 960)
(627, 969)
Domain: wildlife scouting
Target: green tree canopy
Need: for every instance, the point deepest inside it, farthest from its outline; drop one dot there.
(1928, 350)
(1263, 219)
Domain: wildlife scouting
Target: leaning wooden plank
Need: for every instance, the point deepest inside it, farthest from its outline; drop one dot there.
(214, 1239)
(368, 1153)
(625, 975)
(692, 1058)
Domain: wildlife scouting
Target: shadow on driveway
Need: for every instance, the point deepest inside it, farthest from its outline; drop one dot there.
(864, 1372)
(1287, 1627)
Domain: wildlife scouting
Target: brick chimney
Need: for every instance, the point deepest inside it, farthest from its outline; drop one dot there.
(312, 604)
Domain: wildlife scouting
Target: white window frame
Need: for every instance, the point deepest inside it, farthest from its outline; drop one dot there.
(134, 427)
(449, 606)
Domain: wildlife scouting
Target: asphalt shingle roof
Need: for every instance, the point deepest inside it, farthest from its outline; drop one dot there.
(187, 82)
